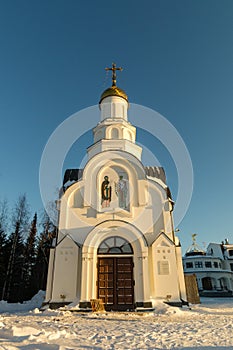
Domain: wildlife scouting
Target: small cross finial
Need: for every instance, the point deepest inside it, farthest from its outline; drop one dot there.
(194, 237)
(114, 68)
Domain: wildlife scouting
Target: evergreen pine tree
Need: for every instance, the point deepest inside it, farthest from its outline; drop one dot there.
(13, 286)
(29, 261)
(42, 255)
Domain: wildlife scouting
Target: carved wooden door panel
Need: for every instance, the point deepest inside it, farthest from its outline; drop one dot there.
(115, 282)
(106, 280)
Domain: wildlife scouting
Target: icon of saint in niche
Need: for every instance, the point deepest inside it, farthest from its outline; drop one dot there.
(121, 192)
(106, 193)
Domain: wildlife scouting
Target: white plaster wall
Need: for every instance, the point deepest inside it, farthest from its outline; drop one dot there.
(165, 286)
(104, 130)
(113, 107)
(80, 207)
(117, 145)
(66, 265)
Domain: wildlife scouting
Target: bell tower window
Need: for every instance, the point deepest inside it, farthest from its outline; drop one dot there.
(115, 133)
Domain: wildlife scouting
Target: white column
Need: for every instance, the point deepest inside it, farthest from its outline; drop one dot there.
(84, 278)
(49, 285)
(180, 274)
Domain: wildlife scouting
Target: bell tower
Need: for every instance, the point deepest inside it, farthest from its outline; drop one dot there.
(114, 132)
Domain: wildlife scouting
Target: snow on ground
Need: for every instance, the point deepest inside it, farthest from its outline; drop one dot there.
(206, 326)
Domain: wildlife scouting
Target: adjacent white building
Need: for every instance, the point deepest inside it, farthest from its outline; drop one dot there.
(116, 240)
(213, 268)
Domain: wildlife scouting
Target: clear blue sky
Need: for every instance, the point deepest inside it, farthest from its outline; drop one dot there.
(178, 60)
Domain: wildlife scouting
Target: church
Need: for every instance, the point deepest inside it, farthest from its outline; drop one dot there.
(116, 239)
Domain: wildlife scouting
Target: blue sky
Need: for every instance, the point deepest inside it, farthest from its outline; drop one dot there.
(178, 60)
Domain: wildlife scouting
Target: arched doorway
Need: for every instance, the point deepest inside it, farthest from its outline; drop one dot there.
(207, 283)
(115, 282)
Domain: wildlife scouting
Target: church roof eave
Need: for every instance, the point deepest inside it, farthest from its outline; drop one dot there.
(67, 235)
(165, 236)
(71, 177)
(114, 151)
(158, 181)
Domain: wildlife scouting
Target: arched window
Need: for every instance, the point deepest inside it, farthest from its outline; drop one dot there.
(128, 135)
(115, 245)
(115, 133)
(98, 135)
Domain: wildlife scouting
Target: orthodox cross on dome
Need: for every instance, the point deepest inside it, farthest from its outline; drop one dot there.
(114, 68)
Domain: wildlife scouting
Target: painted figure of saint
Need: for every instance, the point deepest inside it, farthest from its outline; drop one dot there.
(106, 193)
(121, 192)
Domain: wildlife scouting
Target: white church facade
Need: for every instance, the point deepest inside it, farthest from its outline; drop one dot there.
(116, 240)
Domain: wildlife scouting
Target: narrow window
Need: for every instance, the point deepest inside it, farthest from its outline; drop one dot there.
(115, 133)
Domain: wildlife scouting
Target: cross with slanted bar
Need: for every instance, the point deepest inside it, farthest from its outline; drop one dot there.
(114, 69)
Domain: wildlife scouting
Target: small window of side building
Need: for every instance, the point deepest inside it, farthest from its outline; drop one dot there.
(198, 264)
(215, 264)
(208, 264)
(231, 266)
(230, 252)
(189, 265)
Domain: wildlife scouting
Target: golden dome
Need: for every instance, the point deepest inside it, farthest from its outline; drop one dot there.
(113, 91)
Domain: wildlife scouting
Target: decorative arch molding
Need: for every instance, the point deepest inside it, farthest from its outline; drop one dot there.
(128, 135)
(72, 188)
(114, 132)
(97, 168)
(109, 155)
(115, 228)
(137, 240)
(71, 194)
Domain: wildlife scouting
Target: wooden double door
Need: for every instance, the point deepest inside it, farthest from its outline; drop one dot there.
(115, 282)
